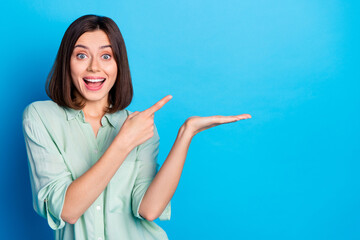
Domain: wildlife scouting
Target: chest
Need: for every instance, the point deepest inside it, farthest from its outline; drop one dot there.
(82, 147)
(95, 125)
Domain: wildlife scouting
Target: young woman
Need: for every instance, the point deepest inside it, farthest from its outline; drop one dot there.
(93, 164)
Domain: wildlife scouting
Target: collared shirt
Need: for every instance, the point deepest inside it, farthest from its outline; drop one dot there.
(61, 146)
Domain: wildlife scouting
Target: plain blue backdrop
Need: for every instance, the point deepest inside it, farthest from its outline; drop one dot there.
(290, 172)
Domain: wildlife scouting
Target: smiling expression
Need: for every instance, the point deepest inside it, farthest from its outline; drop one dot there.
(93, 67)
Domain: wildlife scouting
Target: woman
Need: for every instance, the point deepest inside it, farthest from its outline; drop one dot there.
(93, 163)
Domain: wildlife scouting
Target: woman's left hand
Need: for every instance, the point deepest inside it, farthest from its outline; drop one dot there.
(197, 124)
(163, 186)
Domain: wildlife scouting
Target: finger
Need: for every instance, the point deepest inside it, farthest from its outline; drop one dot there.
(228, 119)
(243, 116)
(134, 113)
(158, 105)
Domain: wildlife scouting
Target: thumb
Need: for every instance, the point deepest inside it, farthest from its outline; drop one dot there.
(133, 114)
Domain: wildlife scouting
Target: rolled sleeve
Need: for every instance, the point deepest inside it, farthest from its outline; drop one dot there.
(49, 175)
(147, 158)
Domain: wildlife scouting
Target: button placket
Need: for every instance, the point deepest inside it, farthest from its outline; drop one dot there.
(99, 218)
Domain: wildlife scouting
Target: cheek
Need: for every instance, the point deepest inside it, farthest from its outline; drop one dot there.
(73, 69)
(75, 74)
(77, 68)
(111, 70)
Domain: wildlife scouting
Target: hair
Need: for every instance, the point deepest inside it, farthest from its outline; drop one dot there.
(59, 86)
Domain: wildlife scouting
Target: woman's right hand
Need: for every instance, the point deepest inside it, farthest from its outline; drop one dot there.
(139, 126)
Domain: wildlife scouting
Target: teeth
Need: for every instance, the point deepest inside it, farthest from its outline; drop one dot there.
(94, 80)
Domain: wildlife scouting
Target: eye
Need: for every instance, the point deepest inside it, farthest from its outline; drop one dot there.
(106, 56)
(81, 56)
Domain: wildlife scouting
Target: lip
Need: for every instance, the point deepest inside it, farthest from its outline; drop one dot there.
(93, 77)
(94, 88)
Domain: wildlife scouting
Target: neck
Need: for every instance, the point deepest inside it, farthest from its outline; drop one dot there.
(95, 109)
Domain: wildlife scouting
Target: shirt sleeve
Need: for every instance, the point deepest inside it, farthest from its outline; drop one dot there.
(147, 156)
(49, 175)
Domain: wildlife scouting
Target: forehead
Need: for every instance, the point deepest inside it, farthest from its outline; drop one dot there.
(93, 38)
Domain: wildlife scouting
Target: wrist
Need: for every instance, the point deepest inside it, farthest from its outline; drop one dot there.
(186, 131)
(122, 144)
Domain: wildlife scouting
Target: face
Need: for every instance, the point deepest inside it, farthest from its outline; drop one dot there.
(93, 67)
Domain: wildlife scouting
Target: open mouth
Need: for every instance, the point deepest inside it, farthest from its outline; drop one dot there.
(94, 83)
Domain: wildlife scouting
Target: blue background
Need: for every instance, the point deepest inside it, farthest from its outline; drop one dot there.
(290, 172)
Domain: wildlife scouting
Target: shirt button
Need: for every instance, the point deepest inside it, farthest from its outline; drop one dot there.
(99, 238)
(98, 208)
(95, 151)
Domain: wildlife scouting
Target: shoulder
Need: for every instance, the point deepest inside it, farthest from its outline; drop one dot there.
(124, 112)
(120, 114)
(43, 109)
(118, 118)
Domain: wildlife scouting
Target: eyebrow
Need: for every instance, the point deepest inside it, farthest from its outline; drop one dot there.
(82, 46)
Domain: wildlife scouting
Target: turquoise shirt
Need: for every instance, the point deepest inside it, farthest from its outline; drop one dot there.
(61, 146)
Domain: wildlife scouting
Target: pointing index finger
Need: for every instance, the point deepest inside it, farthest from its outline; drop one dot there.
(158, 105)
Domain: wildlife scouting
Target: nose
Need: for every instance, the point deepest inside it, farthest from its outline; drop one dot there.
(93, 65)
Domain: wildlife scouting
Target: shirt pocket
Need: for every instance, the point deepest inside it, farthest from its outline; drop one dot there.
(120, 187)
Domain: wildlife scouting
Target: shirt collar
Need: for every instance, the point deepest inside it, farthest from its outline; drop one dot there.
(112, 118)
(72, 113)
(109, 119)
(117, 118)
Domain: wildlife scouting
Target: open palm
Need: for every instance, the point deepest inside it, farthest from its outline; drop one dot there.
(198, 124)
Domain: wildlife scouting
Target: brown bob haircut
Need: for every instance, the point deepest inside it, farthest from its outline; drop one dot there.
(59, 86)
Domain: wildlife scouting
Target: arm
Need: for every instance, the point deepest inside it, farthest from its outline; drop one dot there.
(49, 176)
(82, 192)
(166, 180)
(137, 128)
